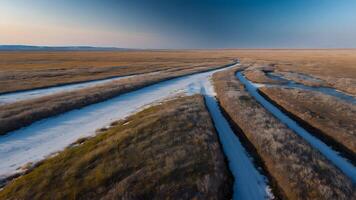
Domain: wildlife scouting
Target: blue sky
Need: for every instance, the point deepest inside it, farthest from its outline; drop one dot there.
(180, 23)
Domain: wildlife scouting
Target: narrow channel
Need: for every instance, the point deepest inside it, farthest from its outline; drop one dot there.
(35, 93)
(342, 163)
(47, 136)
(35, 142)
(249, 183)
(326, 90)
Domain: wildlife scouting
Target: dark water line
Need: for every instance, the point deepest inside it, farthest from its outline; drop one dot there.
(343, 150)
(277, 191)
(325, 90)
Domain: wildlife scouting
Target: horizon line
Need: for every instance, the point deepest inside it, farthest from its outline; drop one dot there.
(134, 48)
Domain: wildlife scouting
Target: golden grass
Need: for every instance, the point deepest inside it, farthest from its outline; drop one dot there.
(16, 115)
(300, 171)
(332, 117)
(168, 151)
(26, 70)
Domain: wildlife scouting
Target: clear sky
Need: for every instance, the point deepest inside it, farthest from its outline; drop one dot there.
(180, 23)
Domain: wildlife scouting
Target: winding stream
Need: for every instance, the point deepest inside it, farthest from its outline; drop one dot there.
(326, 90)
(45, 137)
(249, 183)
(342, 163)
(35, 93)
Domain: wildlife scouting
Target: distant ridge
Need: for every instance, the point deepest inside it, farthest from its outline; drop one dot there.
(58, 48)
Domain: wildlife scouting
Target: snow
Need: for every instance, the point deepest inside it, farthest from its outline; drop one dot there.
(249, 183)
(46, 137)
(35, 93)
(342, 163)
(326, 90)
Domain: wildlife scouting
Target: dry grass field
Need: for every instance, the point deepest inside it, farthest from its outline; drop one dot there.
(296, 169)
(337, 68)
(327, 63)
(168, 151)
(299, 170)
(26, 70)
(16, 115)
(334, 118)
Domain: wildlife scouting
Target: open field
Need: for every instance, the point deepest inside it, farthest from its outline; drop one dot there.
(299, 170)
(174, 144)
(178, 100)
(336, 68)
(26, 70)
(16, 115)
(334, 118)
(296, 168)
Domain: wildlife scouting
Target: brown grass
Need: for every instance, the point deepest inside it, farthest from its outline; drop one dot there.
(335, 118)
(301, 171)
(169, 151)
(26, 70)
(258, 75)
(23, 113)
(327, 63)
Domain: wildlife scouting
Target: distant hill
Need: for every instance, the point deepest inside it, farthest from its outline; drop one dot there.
(58, 48)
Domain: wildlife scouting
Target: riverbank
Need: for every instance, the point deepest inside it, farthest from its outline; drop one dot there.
(24, 113)
(326, 115)
(301, 171)
(174, 144)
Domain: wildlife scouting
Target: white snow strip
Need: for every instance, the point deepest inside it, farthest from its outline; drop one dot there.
(44, 137)
(249, 183)
(48, 136)
(35, 93)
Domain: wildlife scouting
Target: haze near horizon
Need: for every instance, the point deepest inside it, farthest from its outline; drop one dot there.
(180, 24)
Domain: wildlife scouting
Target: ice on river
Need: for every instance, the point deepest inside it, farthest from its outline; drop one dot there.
(35, 93)
(342, 163)
(249, 183)
(49, 135)
(35, 142)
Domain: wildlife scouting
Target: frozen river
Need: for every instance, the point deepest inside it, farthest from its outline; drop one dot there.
(45, 137)
(342, 163)
(325, 90)
(35, 93)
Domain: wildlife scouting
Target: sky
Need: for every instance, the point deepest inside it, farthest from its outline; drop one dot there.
(180, 23)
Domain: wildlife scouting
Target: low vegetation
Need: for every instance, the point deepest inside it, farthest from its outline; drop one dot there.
(257, 74)
(168, 151)
(23, 113)
(334, 118)
(28, 70)
(300, 171)
(303, 79)
(347, 85)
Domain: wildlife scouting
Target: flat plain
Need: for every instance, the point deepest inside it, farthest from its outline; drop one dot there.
(305, 84)
(41, 69)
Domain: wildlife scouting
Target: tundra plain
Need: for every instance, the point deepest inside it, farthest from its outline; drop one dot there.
(315, 88)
